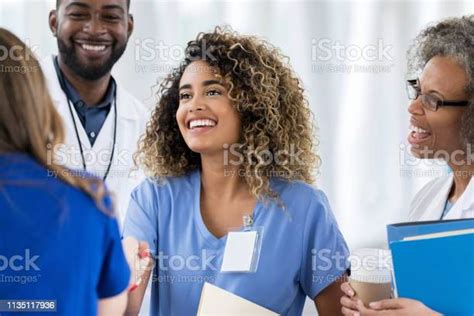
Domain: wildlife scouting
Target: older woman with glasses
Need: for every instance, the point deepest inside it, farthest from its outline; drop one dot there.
(442, 126)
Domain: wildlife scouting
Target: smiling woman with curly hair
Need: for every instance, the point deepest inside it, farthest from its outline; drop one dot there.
(230, 143)
(268, 96)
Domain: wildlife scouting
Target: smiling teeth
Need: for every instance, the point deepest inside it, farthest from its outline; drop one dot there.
(93, 47)
(418, 130)
(201, 123)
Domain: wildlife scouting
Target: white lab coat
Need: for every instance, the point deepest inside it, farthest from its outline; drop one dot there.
(430, 201)
(132, 117)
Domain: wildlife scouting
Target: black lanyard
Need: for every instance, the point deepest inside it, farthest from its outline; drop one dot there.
(114, 104)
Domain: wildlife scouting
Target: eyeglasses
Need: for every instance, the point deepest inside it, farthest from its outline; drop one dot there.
(429, 101)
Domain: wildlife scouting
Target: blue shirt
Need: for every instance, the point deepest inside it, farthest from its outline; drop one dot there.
(69, 250)
(92, 117)
(302, 252)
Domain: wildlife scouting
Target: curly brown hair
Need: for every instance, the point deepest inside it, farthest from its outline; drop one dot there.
(267, 94)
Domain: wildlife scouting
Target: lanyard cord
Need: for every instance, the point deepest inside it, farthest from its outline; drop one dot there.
(80, 143)
(62, 83)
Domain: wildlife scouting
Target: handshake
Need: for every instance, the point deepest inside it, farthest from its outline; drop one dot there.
(139, 259)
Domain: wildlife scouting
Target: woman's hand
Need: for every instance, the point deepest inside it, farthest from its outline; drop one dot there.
(353, 306)
(138, 258)
(349, 300)
(396, 307)
(141, 265)
(389, 307)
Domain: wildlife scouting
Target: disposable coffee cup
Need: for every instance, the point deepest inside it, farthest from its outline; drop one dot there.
(371, 274)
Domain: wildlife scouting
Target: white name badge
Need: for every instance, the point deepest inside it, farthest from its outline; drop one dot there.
(242, 251)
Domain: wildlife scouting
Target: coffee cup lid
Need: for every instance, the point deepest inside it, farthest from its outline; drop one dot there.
(371, 265)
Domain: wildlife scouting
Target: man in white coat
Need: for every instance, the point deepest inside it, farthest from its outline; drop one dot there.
(103, 122)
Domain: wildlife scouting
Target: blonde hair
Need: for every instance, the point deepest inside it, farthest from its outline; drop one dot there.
(29, 122)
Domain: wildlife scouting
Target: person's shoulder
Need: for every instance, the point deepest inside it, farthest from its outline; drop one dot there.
(434, 185)
(49, 72)
(427, 192)
(302, 199)
(138, 106)
(305, 203)
(100, 217)
(76, 198)
(297, 189)
(171, 185)
(83, 201)
(13, 161)
(25, 169)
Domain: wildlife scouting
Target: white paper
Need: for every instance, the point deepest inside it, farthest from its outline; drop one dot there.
(218, 302)
(239, 251)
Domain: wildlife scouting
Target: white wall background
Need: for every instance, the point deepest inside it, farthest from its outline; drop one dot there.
(361, 114)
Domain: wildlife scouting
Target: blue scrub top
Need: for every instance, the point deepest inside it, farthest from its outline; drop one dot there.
(66, 248)
(302, 252)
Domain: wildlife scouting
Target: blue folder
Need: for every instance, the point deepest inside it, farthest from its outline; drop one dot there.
(439, 271)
